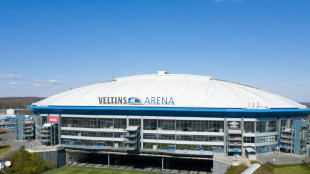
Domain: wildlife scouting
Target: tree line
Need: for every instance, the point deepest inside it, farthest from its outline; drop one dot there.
(17, 102)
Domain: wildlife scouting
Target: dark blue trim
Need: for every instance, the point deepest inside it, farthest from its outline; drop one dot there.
(171, 111)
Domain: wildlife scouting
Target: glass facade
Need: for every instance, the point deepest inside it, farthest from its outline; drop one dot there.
(88, 138)
(184, 137)
(249, 126)
(184, 125)
(265, 139)
(182, 147)
(266, 126)
(169, 133)
(248, 139)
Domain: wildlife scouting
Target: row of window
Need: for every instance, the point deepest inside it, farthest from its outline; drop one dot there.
(173, 125)
(184, 125)
(92, 134)
(265, 139)
(261, 126)
(184, 137)
(173, 147)
(146, 136)
(262, 139)
(107, 123)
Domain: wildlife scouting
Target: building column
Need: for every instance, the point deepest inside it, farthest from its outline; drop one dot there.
(141, 133)
(162, 164)
(279, 132)
(225, 136)
(255, 134)
(242, 128)
(288, 123)
(127, 120)
(59, 128)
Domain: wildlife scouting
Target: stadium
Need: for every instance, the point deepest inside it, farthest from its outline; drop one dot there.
(172, 115)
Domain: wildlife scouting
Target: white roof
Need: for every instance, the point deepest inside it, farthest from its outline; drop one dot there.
(249, 149)
(47, 125)
(132, 128)
(185, 90)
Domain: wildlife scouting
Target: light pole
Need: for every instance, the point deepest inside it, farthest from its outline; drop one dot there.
(278, 149)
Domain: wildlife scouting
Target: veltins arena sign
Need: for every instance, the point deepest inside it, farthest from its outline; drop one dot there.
(136, 101)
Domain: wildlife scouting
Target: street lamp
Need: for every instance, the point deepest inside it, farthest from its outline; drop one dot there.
(278, 149)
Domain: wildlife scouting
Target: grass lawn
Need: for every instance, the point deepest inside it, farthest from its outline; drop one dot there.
(91, 170)
(293, 169)
(4, 149)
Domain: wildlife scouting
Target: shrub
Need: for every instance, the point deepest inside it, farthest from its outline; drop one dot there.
(266, 168)
(25, 162)
(236, 169)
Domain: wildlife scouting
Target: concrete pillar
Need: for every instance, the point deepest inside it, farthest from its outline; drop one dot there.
(141, 133)
(162, 164)
(127, 120)
(242, 128)
(225, 136)
(288, 123)
(59, 128)
(279, 132)
(108, 160)
(255, 134)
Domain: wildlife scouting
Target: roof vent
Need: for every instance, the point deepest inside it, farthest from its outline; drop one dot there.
(162, 72)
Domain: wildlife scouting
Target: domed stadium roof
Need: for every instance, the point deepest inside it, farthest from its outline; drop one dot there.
(170, 90)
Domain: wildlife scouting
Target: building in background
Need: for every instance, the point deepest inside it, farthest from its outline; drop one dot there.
(25, 127)
(182, 116)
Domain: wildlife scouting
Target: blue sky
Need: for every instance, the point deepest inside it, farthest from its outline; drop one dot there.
(47, 47)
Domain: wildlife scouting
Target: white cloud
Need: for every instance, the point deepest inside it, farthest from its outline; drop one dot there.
(15, 83)
(44, 82)
(53, 81)
(39, 81)
(10, 76)
(82, 80)
(36, 84)
(62, 76)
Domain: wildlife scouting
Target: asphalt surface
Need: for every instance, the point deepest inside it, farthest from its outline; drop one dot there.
(280, 158)
(10, 139)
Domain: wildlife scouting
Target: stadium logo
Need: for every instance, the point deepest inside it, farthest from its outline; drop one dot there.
(234, 124)
(134, 101)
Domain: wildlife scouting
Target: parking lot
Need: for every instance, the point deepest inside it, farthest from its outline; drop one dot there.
(10, 139)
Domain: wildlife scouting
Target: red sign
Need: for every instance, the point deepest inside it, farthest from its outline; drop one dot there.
(53, 119)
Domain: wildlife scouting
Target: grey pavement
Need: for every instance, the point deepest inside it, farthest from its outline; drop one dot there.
(280, 158)
(10, 139)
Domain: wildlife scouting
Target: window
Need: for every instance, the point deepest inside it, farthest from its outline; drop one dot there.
(265, 126)
(264, 139)
(135, 122)
(149, 124)
(249, 127)
(166, 125)
(248, 139)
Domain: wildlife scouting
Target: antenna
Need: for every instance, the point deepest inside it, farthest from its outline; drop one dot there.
(212, 73)
(113, 73)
